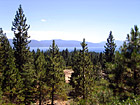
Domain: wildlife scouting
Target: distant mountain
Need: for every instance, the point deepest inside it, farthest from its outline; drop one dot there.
(66, 43)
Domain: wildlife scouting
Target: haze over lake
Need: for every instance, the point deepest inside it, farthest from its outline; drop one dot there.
(90, 49)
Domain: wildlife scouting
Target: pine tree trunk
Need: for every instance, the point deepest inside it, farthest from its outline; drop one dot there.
(25, 100)
(52, 94)
(40, 94)
(10, 95)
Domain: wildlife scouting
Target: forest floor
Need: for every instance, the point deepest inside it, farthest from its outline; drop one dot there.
(68, 73)
(59, 102)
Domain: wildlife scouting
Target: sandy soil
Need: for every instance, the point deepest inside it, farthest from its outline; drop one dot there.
(68, 73)
(58, 102)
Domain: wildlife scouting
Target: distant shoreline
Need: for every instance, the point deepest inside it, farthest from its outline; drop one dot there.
(70, 49)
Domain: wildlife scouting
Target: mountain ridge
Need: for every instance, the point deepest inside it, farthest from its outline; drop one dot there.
(66, 43)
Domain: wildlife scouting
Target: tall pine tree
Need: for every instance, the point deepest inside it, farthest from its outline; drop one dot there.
(109, 56)
(82, 78)
(55, 74)
(125, 82)
(132, 56)
(24, 59)
(40, 66)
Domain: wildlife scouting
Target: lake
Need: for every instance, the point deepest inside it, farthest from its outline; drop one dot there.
(95, 49)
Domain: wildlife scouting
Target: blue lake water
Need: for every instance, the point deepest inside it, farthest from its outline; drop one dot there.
(95, 49)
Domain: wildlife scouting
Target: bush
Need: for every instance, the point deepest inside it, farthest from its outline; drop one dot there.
(134, 101)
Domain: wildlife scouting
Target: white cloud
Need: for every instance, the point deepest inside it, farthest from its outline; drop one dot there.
(43, 20)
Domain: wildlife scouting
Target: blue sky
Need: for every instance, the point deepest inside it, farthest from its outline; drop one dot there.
(73, 19)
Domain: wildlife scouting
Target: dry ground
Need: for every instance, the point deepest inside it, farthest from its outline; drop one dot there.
(56, 102)
(68, 73)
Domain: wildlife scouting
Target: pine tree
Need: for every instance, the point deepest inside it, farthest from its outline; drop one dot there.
(132, 55)
(9, 71)
(1, 54)
(20, 40)
(40, 66)
(125, 81)
(102, 60)
(55, 74)
(133, 41)
(33, 53)
(109, 57)
(66, 56)
(117, 82)
(73, 57)
(2, 60)
(24, 59)
(82, 78)
(110, 48)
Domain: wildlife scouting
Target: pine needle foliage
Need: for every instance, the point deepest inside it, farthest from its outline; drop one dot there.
(40, 66)
(82, 79)
(24, 58)
(55, 74)
(110, 48)
(9, 71)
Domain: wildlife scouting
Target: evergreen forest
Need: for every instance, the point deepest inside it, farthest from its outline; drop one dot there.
(37, 77)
